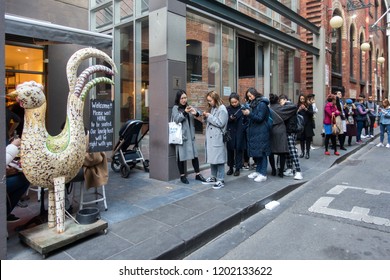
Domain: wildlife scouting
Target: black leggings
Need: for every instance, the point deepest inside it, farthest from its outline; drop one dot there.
(180, 165)
(332, 139)
(282, 161)
(306, 141)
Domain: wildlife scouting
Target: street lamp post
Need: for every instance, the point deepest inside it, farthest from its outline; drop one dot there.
(380, 60)
(365, 47)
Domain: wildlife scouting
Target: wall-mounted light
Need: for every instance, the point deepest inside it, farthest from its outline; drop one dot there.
(381, 60)
(336, 22)
(365, 47)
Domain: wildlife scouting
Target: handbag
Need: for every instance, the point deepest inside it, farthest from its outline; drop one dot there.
(226, 135)
(339, 124)
(175, 133)
(335, 128)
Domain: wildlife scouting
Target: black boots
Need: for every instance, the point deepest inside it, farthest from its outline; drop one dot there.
(307, 155)
(302, 155)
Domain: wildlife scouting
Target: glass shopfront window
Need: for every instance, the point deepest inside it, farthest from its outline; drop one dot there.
(281, 71)
(228, 65)
(127, 111)
(204, 58)
(23, 64)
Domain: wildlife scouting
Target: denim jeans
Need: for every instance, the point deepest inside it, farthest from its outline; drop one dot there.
(218, 171)
(360, 125)
(262, 163)
(382, 132)
(17, 185)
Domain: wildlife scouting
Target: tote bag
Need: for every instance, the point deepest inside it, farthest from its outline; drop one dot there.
(175, 133)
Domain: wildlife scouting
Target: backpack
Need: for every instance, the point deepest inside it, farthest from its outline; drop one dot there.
(300, 123)
(295, 124)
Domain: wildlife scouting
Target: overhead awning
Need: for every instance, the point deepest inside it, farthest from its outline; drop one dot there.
(55, 33)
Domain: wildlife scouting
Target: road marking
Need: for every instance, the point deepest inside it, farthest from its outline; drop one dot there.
(357, 213)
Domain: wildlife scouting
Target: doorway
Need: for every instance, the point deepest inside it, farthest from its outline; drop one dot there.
(250, 64)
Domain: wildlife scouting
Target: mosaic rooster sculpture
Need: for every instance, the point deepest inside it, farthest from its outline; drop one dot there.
(50, 161)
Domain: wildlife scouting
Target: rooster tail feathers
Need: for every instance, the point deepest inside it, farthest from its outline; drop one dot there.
(83, 77)
(78, 57)
(93, 83)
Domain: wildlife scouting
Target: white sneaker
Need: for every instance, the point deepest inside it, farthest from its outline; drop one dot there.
(298, 176)
(380, 145)
(387, 145)
(218, 185)
(289, 173)
(371, 136)
(260, 178)
(253, 175)
(363, 136)
(210, 181)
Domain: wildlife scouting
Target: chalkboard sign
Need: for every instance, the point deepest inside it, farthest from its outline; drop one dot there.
(101, 133)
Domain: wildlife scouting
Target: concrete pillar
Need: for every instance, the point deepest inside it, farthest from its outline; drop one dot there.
(3, 210)
(319, 83)
(167, 73)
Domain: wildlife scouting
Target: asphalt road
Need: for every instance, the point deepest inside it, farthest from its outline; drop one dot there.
(342, 214)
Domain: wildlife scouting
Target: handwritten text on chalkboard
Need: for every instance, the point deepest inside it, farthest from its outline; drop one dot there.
(101, 133)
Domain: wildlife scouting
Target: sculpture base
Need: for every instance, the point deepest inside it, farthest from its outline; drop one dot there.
(45, 240)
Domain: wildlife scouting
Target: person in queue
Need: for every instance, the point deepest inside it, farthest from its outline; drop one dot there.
(258, 133)
(185, 114)
(216, 118)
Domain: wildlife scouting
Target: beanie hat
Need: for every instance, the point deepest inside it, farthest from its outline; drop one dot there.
(348, 101)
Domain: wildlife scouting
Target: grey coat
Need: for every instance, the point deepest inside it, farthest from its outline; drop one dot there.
(279, 143)
(215, 147)
(187, 150)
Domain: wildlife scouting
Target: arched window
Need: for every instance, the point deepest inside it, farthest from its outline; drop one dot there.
(336, 51)
(361, 41)
(351, 52)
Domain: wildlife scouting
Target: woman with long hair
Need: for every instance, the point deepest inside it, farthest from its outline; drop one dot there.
(236, 127)
(216, 118)
(384, 122)
(185, 114)
(306, 136)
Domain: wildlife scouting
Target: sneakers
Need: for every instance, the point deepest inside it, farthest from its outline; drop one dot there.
(237, 172)
(209, 181)
(371, 136)
(230, 171)
(246, 167)
(327, 153)
(199, 177)
(218, 185)
(260, 178)
(253, 175)
(12, 218)
(387, 145)
(359, 142)
(184, 180)
(380, 145)
(336, 153)
(364, 136)
(298, 176)
(289, 172)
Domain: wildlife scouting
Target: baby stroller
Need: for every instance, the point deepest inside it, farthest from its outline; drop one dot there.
(127, 153)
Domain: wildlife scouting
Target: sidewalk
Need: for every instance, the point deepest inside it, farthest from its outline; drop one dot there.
(151, 219)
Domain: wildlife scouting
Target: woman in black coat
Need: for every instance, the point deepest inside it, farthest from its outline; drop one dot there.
(279, 144)
(306, 137)
(235, 126)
